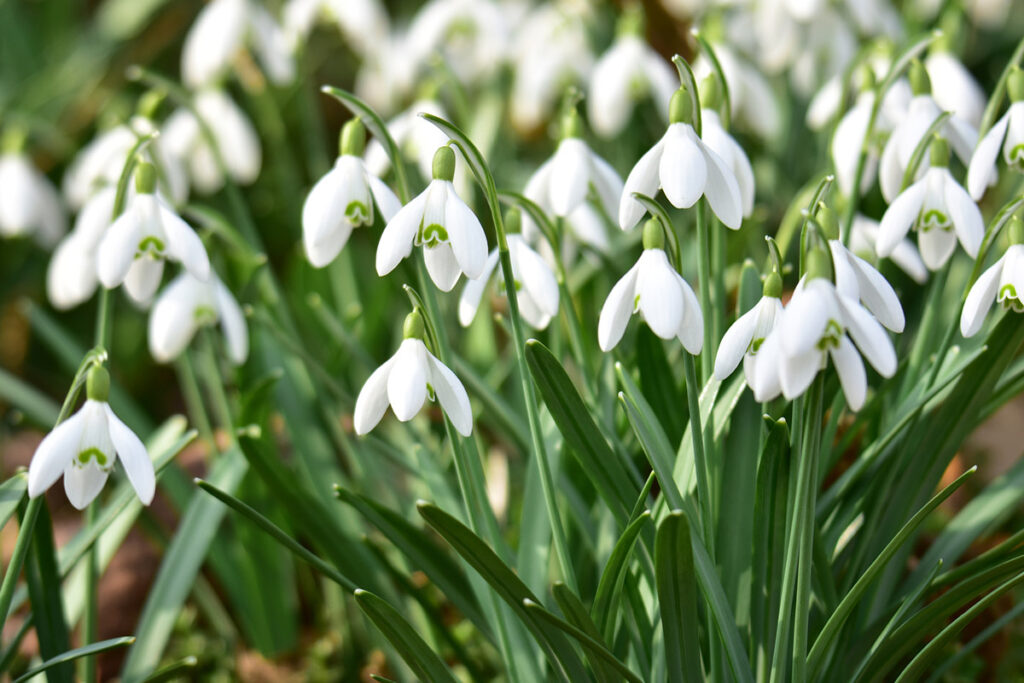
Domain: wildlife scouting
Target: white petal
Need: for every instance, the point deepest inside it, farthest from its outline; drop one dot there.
(607, 182)
(83, 484)
(473, 291)
(407, 381)
(609, 103)
(797, 372)
(848, 142)
(387, 201)
(734, 343)
(691, 328)
(643, 179)
(765, 383)
(372, 402)
(980, 299)
(212, 41)
(172, 322)
(116, 250)
(683, 170)
(232, 321)
(851, 373)
(878, 295)
(236, 138)
(71, 274)
(536, 276)
(143, 279)
(660, 298)
(899, 217)
(936, 247)
(468, 242)
(890, 170)
(870, 337)
(55, 451)
(396, 241)
(570, 176)
(184, 245)
(806, 318)
(967, 221)
(325, 228)
(451, 395)
(723, 144)
(617, 309)
(133, 456)
(442, 266)
(983, 161)
(723, 191)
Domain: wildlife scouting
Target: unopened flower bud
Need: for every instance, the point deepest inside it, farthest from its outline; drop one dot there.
(145, 178)
(444, 163)
(353, 138)
(97, 385)
(654, 236)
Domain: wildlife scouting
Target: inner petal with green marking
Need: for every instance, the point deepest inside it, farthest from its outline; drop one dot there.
(431, 235)
(150, 246)
(933, 219)
(103, 461)
(1015, 157)
(204, 315)
(830, 339)
(358, 213)
(754, 345)
(1009, 299)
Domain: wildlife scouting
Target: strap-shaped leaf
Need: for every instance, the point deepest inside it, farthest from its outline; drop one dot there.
(677, 598)
(71, 655)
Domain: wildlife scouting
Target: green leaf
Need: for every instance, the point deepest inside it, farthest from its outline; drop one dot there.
(677, 599)
(44, 591)
(71, 655)
(182, 669)
(11, 493)
(416, 653)
(37, 406)
(576, 615)
(610, 585)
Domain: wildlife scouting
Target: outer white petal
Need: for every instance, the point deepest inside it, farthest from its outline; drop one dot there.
(735, 342)
(407, 381)
(825, 103)
(899, 217)
(116, 250)
(442, 266)
(851, 373)
(83, 484)
(967, 221)
(617, 309)
(232, 321)
(271, 45)
(473, 291)
(212, 41)
(323, 218)
(71, 274)
(806, 318)
(683, 168)
(184, 245)
(387, 201)
(143, 279)
(797, 372)
(396, 240)
(723, 191)
(536, 275)
(936, 247)
(570, 176)
(877, 294)
(870, 337)
(890, 170)
(691, 329)
(451, 395)
(983, 162)
(53, 454)
(609, 104)
(607, 182)
(236, 137)
(643, 179)
(660, 297)
(848, 141)
(765, 383)
(468, 242)
(133, 456)
(172, 322)
(980, 299)
(723, 144)
(589, 227)
(954, 87)
(372, 402)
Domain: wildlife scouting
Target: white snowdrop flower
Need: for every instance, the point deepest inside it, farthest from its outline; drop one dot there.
(472, 36)
(628, 72)
(848, 143)
(84, 447)
(864, 236)
(189, 303)
(818, 324)
(824, 106)
(363, 23)
(922, 113)
(721, 143)
(344, 199)
(684, 167)
(452, 238)
(954, 88)
(29, 203)
(752, 102)
(535, 283)
(988, 13)
(1002, 282)
(386, 75)
(220, 30)
(233, 133)
(939, 209)
(744, 338)
(134, 247)
(825, 103)
(657, 292)
(71, 275)
(1007, 135)
(406, 380)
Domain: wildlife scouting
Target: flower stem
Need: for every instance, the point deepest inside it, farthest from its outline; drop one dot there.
(699, 455)
(90, 626)
(704, 282)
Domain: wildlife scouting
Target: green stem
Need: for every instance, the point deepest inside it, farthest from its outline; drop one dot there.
(704, 283)
(699, 455)
(90, 629)
(718, 267)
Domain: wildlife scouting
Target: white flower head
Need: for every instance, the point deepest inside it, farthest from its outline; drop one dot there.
(71, 276)
(135, 246)
(84, 447)
(189, 303)
(1007, 135)
(29, 204)
(363, 23)
(718, 140)
(864, 236)
(535, 283)
(438, 220)
(744, 338)
(848, 144)
(954, 88)
(406, 380)
(654, 289)
(752, 102)
(939, 209)
(686, 168)
(1003, 283)
(472, 36)
(344, 199)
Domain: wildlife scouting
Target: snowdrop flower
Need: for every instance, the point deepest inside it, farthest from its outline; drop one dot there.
(628, 72)
(848, 145)
(864, 236)
(364, 23)
(954, 88)
(721, 143)
(452, 238)
(654, 289)
(220, 30)
(752, 102)
(908, 134)
(824, 106)
(233, 133)
(685, 168)
(1007, 134)
(939, 209)
(744, 338)
(406, 380)
(29, 204)
(84, 446)
(536, 286)
(1002, 282)
(344, 199)
(818, 324)
(189, 303)
(135, 246)
(470, 35)
(71, 275)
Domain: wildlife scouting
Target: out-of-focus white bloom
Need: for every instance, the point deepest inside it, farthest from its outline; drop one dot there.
(233, 132)
(406, 380)
(1003, 283)
(684, 167)
(752, 102)
(744, 338)
(653, 288)
(472, 36)
(363, 23)
(988, 13)
(343, 199)
(133, 249)
(939, 209)
(452, 238)
(954, 88)
(387, 75)
(629, 71)
(221, 29)
(1007, 134)
(848, 144)
(29, 204)
(71, 276)
(536, 286)
(863, 237)
(416, 138)
(84, 447)
(720, 142)
(187, 304)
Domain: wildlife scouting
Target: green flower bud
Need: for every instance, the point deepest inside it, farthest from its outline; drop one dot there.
(97, 384)
(920, 84)
(654, 236)
(444, 163)
(866, 76)
(938, 152)
(353, 138)
(711, 93)
(680, 107)
(829, 222)
(773, 285)
(818, 264)
(1015, 84)
(413, 327)
(145, 178)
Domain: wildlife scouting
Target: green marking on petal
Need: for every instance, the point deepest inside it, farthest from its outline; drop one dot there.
(358, 213)
(1009, 299)
(430, 392)
(755, 345)
(92, 453)
(204, 315)
(933, 219)
(432, 235)
(830, 339)
(1015, 157)
(153, 246)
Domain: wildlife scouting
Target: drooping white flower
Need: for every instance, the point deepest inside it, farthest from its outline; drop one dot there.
(848, 144)
(939, 209)
(721, 143)
(187, 304)
(864, 236)
(363, 23)
(71, 275)
(818, 324)
(628, 72)
(1002, 282)
(657, 292)
(29, 204)
(536, 286)
(684, 167)
(752, 102)
(134, 247)
(744, 338)
(1007, 135)
(406, 380)
(235, 137)
(472, 36)
(452, 238)
(221, 29)
(343, 199)
(954, 88)
(387, 76)
(84, 447)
